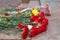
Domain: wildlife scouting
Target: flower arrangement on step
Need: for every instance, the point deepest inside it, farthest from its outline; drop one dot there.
(37, 24)
(32, 22)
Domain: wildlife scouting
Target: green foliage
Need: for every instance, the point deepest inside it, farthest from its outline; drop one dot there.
(14, 20)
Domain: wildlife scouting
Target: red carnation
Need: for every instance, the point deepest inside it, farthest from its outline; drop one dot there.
(41, 29)
(41, 15)
(25, 32)
(33, 32)
(34, 17)
(31, 20)
(24, 35)
(20, 26)
(45, 22)
(37, 21)
(26, 28)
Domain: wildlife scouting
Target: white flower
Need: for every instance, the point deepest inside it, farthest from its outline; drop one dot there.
(30, 27)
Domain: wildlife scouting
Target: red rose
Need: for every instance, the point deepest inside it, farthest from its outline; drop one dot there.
(41, 29)
(20, 26)
(33, 32)
(25, 32)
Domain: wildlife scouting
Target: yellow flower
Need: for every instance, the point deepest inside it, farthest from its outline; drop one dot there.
(35, 11)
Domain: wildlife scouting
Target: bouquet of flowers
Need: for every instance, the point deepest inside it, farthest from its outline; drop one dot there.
(36, 25)
(32, 22)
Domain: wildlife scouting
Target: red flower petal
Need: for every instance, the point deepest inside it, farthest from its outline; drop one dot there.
(45, 22)
(41, 14)
(37, 21)
(33, 32)
(31, 20)
(24, 35)
(34, 18)
(25, 32)
(33, 28)
(26, 28)
(41, 29)
(20, 26)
